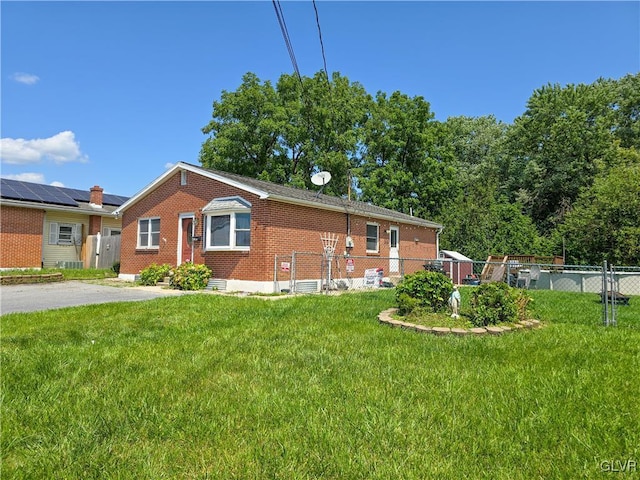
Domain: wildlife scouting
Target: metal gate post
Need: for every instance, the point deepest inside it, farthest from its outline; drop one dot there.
(605, 295)
(292, 273)
(614, 299)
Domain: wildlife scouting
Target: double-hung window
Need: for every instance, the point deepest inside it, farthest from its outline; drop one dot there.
(228, 224)
(372, 237)
(149, 233)
(65, 233)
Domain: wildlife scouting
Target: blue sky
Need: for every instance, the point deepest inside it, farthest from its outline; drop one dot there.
(111, 93)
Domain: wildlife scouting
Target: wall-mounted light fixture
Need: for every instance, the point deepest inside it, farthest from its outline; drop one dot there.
(416, 239)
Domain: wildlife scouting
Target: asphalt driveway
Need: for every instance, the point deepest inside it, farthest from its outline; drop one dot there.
(46, 296)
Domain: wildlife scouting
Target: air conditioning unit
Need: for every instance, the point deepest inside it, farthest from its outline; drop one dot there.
(78, 265)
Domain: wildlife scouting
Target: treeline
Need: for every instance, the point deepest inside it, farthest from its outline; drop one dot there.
(563, 178)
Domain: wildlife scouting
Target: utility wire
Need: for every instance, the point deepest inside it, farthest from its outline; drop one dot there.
(287, 39)
(324, 60)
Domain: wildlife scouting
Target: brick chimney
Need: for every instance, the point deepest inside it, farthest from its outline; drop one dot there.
(96, 195)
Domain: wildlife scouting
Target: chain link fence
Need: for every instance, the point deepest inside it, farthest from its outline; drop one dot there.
(303, 272)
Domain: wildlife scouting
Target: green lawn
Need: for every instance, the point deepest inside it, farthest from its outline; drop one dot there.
(208, 386)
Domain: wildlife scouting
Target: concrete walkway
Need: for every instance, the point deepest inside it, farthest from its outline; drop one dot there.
(47, 296)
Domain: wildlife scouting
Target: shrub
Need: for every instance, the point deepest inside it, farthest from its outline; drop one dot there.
(429, 290)
(116, 267)
(497, 302)
(190, 276)
(154, 273)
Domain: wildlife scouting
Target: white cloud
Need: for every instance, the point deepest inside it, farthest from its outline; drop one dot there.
(168, 165)
(26, 78)
(61, 148)
(26, 177)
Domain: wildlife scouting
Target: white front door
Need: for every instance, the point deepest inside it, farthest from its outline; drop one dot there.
(394, 253)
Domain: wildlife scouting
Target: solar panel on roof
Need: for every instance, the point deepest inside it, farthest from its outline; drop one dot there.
(78, 195)
(110, 199)
(20, 192)
(35, 192)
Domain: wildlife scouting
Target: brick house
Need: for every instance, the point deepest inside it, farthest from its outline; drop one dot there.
(47, 226)
(237, 225)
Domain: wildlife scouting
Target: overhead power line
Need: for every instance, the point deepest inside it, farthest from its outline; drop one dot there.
(287, 39)
(324, 60)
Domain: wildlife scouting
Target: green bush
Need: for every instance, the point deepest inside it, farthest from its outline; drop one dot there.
(429, 290)
(154, 273)
(190, 276)
(497, 302)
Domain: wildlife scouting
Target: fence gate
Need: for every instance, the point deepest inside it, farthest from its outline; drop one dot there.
(103, 251)
(283, 273)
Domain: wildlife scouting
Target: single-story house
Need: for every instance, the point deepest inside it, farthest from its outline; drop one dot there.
(47, 226)
(237, 225)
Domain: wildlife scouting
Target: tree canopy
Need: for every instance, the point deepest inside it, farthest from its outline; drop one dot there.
(561, 175)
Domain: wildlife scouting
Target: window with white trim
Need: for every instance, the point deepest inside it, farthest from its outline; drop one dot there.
(228, 224)
(107, 231)
(65, 233)
(231, 231)
(373, 230)
(148, 233)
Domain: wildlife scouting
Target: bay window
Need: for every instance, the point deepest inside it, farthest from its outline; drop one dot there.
(228, 224)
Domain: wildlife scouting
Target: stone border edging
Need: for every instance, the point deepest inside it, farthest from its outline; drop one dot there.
(26, 279)
(385, 318)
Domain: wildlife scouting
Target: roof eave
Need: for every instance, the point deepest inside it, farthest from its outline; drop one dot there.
(354, 211)
(189, 168)
(52, 207)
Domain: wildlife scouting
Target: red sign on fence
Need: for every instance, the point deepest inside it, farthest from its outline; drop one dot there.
(351, 265)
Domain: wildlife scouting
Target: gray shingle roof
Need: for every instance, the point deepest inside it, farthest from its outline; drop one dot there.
(298, 195)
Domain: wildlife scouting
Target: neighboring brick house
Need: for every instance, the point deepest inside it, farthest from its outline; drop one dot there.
(47, 226)
(238, 225)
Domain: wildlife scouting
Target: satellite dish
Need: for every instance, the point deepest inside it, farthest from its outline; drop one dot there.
(321, 178)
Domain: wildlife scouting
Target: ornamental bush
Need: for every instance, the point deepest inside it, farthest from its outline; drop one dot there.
(497, 302)
(428, 290)
(190, 276)
(154, 273)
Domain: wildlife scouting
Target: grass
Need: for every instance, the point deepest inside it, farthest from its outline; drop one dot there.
(208, 386)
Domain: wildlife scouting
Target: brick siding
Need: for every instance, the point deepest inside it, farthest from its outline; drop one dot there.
(21, 237)
(277, 228)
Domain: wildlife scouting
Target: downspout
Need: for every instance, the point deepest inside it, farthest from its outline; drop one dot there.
(438, 242)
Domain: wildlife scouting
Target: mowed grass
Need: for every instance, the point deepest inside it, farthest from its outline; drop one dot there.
(207, 386)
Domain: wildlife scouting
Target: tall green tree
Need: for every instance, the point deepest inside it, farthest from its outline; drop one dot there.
(287, 133)
(604, 223)
(405, 163)
(557, 145)
(479, 220)
(626, 108)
